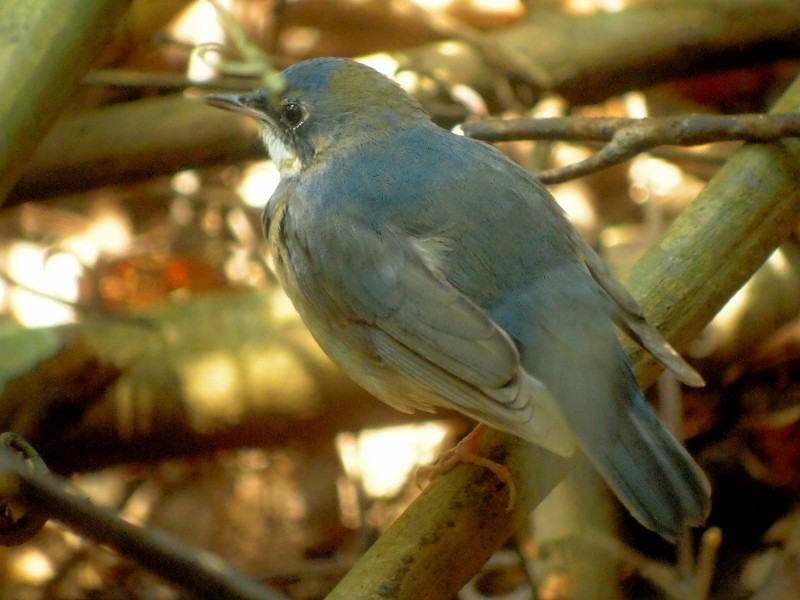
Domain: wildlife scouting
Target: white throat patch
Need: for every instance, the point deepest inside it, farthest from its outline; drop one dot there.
(284, 158)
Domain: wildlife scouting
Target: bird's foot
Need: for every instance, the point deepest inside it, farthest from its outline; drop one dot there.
(467, 451)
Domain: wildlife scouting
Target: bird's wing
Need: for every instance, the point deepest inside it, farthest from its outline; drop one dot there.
(432, 333)
(630, 318)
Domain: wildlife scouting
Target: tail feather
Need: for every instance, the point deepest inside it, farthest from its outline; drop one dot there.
(650, 471)
(567, 343)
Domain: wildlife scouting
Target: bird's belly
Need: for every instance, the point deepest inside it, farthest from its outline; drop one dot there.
(349, 344)
(347, 340)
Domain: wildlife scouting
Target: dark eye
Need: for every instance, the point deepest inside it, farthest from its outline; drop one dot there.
(293, 113)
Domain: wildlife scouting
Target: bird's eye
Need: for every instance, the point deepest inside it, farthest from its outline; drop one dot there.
(293, 113)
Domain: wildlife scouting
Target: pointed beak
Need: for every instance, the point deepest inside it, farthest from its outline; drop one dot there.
(246, 104)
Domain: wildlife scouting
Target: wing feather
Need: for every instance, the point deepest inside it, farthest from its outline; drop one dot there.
(392, 288)
(426, 329)
(630, 318)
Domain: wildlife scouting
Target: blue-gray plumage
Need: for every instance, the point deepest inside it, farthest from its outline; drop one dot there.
(438, 273)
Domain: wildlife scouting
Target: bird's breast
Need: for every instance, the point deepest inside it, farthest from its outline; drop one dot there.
(291, 240)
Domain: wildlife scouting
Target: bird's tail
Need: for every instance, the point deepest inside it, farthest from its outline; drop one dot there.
(649, 470)
(568, 343)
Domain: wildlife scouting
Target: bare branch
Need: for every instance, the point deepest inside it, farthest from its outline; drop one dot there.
(199, 572)
(628, 137)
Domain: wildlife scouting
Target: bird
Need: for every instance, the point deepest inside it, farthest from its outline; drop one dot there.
(438, 273)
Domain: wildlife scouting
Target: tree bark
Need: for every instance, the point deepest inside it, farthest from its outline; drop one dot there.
(46, 47)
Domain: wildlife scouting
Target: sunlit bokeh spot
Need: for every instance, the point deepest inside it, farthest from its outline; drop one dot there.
(108, 233)
(213, 388)
(281, 378)
(504, 6)
(450, 49)
(575, 197)
(469, 98)
(432, 4)
(408, 80)
(54, 276)
(259, 181)
(384, 459)
(565, 154)
(635, 104)
(585, 7)
(780, 263)
(4, 292)
(733, 316)
(724, 324)
(199, 24)
(550, 106)
(653, 177)
(241, 269)
(281, 308)
(186, 182)
(299, 40)
(381, 62)
(31, 565)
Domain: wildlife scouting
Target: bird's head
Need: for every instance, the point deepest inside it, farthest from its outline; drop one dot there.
(326, 105)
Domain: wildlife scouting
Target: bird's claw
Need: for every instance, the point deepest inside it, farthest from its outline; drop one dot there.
(466, 451)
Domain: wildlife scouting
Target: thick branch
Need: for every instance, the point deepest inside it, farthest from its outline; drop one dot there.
(438, 544)
(46, 46)
(587, 58)
(721, 238)
(132, 141)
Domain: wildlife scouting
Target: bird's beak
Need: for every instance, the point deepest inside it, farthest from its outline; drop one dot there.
(246, 104)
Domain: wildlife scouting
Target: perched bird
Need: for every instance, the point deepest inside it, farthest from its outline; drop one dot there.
(438, 273)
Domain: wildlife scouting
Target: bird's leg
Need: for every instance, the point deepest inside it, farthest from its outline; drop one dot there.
(467, 451)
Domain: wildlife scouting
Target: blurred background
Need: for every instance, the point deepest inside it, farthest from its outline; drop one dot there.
(148, 353)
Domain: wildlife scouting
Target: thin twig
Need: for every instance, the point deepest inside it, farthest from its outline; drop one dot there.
(657, 572)
(16, 531)
(706, 562)
(255, 62)
(628, 137)
(496, 55)
(128, 78)
(198, 572)
(693, 585)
